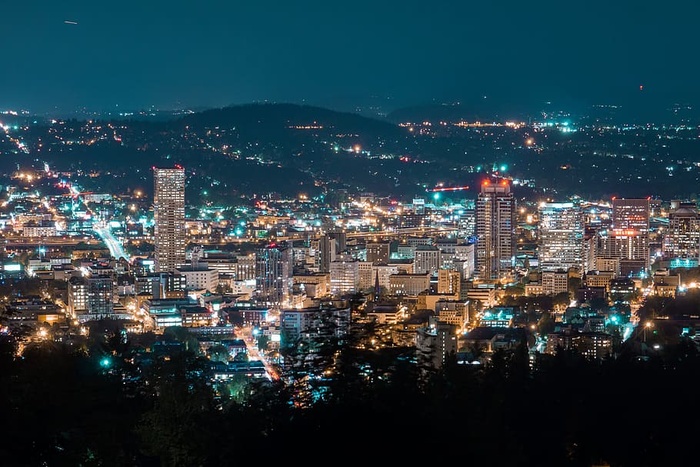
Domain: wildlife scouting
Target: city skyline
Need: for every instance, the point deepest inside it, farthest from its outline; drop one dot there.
(167, 55)
(273, 229)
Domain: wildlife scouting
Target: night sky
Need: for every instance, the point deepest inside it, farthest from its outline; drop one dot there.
(174, 54)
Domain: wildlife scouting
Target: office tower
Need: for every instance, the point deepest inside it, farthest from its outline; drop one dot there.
(100, 296)
(273, 274)
(495, 230)
(449, 282)
(169, 217)
(344, 274)
(378, 252)
(91, 298)
(560, 237)
(77, 296)
(630, 231)
(682, 238)
(329, 246)
(467, 219)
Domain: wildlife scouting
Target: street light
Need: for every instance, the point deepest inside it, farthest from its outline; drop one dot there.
(647, 325)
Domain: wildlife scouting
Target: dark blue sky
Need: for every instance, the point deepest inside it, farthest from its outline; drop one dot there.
(214, 53)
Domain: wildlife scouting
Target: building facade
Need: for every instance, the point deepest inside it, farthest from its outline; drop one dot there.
(630, 230)
(169, 218)
(495, 230)
(560, 235)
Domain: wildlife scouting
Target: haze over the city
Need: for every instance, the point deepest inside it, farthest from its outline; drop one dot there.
(60, 56)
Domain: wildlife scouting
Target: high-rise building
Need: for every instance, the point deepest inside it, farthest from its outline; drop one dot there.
(495, 230)
(100, 296)
(560, 237)
(682, 238)
(345, 274)
(169, 217)
(273, 274)
(630, 230)
(328, 246)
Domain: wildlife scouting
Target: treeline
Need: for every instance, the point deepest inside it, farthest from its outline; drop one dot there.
(66, 405)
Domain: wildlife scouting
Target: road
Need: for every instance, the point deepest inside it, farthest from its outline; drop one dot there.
(115, 248)
(254, 354)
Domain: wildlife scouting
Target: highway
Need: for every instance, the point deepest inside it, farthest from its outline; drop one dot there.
(115, 248)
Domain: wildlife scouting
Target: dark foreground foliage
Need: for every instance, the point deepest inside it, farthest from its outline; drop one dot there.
(61, 408)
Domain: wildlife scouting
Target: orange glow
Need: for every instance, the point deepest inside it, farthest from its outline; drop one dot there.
(625, 232)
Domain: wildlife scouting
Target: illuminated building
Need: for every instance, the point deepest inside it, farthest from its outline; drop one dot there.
(495, 230)
(436, 342)
(199, 276)
(344, 274)
(327, 248)
(592, 345)
(426, 258)
(449, 282)
(169, 218)
(408, 284)
(453, 312)
(555, 282)
(630, 232)
(77, 295)
(100, 297)
(316, 284)
(273, 274)
(560, 236)
(682, 238)
(315, 322)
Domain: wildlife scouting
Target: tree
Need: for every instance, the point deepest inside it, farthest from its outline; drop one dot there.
(180, 427)
(182, 335)
(262, 342)
(218, 353)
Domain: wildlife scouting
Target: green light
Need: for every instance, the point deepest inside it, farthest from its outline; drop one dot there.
(504, 167)
(436, 196)
(106, 362)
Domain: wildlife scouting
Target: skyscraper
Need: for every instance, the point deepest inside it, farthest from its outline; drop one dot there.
(560, 236)
(169, 217)
(273, 273)
(682, 238)
(630, 231)
(495, 230)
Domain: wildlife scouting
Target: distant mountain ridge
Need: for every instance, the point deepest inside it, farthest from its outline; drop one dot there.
(276, 119)
(249, 150)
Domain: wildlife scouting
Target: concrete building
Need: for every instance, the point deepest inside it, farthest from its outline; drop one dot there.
(560, 237)
(495, 230)
(169, 218)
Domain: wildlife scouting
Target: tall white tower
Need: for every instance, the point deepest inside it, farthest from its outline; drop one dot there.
(169, 217)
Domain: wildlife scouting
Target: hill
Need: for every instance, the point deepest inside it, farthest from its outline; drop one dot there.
(281, 120)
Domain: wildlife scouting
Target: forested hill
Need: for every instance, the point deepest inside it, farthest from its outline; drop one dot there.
(272, 121)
